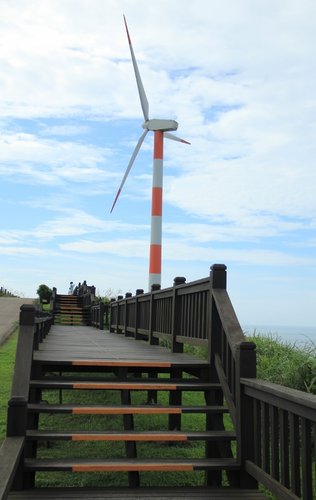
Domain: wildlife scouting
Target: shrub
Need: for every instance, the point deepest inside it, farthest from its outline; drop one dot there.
(44, 293)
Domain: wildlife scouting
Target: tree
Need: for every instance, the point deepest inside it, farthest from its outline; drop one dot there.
(44, 293)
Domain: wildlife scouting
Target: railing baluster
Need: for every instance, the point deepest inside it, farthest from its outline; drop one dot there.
(275, 463)
(284, 448)
(295, 456)
(257, 432)
(307, 459)
(265, 438)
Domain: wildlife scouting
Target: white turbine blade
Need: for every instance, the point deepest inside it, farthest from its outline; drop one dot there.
(141, 91)
(175, 138)
(138, 145)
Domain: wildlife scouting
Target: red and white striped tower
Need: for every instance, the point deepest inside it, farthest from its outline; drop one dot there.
(156, 212)
(161, 129)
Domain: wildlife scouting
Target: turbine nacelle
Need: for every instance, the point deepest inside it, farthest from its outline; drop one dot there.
(163, 125)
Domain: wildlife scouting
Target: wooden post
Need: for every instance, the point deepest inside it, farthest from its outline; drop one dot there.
(218, 276)
(218, 279)
(53, 304)
(128, 421)
(111, 309)
(152, 396)
(152, 316)
(176, 346)
(120, 297)
(215, 421)
(139, 291)
(101, 316)
(245, 367)
(24, 352)
(175, 397)
(128, 295)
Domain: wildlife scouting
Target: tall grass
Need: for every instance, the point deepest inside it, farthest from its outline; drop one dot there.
(286, 363)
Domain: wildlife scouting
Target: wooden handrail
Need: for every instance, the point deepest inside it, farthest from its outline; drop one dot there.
(281, 436)
(228, 318)
(301, 403)
(31, 332)
(10, 457)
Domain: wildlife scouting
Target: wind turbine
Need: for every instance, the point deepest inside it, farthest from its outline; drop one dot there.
(161, 129)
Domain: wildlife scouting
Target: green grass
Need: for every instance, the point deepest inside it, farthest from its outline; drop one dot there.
(7, 358)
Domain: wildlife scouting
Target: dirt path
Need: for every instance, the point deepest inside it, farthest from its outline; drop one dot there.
(9, 315)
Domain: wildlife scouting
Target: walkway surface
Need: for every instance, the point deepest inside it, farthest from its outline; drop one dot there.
(9, 315)
(66, 344)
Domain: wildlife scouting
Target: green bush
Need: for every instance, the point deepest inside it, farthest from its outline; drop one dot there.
(44, 293)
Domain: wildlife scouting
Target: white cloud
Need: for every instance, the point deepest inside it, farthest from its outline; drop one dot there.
(121, 248)
(241, 82)
(14, 250)
(64, 130)
(28, 157)
(187, 252)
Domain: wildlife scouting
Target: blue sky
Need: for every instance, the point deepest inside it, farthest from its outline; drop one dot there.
(239, 77)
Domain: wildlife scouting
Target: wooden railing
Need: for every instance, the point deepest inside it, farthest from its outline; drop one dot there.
(34, 327)
(179, 314)
(198, 313)
(280, 436)
(99, 313)
(275, 426)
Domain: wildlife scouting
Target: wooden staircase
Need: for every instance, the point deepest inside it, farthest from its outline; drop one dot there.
(140, 416)
(162, 387)
(114, 415)
(69, 310)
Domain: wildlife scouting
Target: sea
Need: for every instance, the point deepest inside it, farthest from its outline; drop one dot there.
(298, 335)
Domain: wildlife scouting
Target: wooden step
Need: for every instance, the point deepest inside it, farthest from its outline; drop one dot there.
(196, 493)
(70, 323)
(123, 385)
(132, 465)
(124, 410)
(67, 314)
(64, 312)
(53, 344)
(130, 436)
(71, 307)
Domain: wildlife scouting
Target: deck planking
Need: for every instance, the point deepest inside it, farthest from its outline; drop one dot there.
(71, 344)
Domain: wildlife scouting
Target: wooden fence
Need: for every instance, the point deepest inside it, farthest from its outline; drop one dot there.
(280, 426)
(275, 425)
(34, 326)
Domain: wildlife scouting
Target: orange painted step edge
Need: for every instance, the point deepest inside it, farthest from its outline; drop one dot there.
(124, 411)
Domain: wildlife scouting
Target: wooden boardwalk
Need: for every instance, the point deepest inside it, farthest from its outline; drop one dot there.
(124, 415)
(80, 344)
